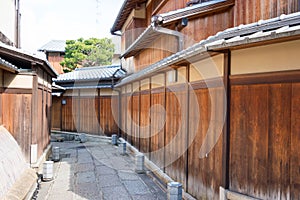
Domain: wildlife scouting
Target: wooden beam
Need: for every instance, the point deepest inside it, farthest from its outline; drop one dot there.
(226, 129)
(187, 125)
(34, 104)
(150, 99)
(165, 127)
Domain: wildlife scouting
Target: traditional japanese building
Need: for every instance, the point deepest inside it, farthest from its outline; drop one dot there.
(212, 98)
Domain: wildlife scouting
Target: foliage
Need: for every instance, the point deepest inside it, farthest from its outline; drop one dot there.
(86, 53)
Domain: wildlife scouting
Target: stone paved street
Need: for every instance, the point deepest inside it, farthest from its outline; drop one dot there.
(97, 170)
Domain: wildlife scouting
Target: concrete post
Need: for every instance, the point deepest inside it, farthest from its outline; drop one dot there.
(140, 163)
(174, 191)
(55, 154)
(82, 138)
(122, 148)
(114, 139)
(47, 170)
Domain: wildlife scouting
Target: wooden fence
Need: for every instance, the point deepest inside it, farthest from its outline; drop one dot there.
(163, 133)
(264, 125)
(93, 115)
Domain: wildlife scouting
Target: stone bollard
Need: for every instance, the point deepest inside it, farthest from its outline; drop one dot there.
(140, 163)
(82, 138)
(114, 139)
(174, 191)
(55, 154)
(122, 148)
(48, 171)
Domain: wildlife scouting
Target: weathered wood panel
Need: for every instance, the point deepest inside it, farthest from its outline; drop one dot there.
(124, 116)
(145, 123)
(89, 115)
(39, 114)
(17, 119)
(158, 118)
(56, 113)
(107, 121)
(129, 118)
(295, 141)
(246, 12)
(263, 140)
(204, 174)
(135, 120)
(176, 135)
(93, 115)
(279, 141)
(1, 108)
(68, 119)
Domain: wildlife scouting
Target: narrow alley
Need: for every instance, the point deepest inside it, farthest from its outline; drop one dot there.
(97, 170)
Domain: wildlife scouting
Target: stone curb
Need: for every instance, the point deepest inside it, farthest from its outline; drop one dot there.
(24, 187)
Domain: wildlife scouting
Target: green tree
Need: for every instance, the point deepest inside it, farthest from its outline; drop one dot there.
(86, 53)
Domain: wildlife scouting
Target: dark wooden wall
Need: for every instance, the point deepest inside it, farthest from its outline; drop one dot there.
(93, 115)
(163, 135)
(265, 117)
(246, 12)
(25, 113)
(16, 109)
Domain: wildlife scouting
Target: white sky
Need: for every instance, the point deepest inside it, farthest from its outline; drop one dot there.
(45, 20)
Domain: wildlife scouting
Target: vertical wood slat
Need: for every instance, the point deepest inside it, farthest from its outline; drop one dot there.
(295, 141)
(1, 110)
(246, 12)
(145, 122)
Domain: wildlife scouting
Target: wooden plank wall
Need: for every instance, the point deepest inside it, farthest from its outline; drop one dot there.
(26, 114)
(204, 174)
(56, 113)
(266, 118)
(246, 12)
(93, 115)
(163, 134)
(176, 134)
(17, 119)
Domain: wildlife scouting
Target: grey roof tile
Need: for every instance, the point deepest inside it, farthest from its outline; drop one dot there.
(54, 46)
(92, 73)
(8, 65)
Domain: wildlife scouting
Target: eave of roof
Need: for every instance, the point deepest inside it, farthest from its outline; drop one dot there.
(54, 46)
(26, 56)
(123, 14)
(147, 37)
(7, 66)
(195, 10)
(283, 27)
(86, 74)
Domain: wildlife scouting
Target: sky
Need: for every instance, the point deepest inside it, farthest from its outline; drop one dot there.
(46, 20)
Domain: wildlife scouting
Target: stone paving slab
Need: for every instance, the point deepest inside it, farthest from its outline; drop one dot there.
(97, 170)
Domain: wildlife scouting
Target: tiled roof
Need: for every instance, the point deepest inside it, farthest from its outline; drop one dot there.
(92, 73)
(54, 46)
(7, 65)
(284, 26)
(27, 56)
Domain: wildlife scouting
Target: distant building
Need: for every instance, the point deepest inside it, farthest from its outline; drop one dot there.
(55, 52)
(83, 100)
